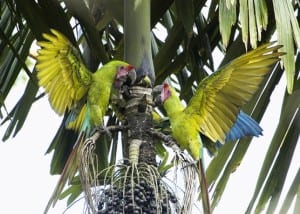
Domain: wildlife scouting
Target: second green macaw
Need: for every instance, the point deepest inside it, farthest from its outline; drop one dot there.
(214, 109)
(74, 90)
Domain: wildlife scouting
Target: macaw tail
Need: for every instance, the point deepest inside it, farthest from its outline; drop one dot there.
(68, 172)
(80, 121)
(76, 119)
(243, 126)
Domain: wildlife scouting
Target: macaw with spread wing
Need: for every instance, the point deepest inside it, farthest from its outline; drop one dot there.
(71, 86)
(214, 109)
(73, 89)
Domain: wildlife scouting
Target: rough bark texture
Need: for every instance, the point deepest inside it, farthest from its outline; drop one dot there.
(138, 113)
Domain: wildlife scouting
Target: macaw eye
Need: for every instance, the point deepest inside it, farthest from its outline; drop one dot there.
(122, 67)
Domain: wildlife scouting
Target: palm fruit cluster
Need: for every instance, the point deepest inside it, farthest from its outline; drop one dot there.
(136, 198)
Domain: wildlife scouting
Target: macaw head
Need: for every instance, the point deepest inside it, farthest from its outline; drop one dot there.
(126, 74)
(170, 99)
(166, 92)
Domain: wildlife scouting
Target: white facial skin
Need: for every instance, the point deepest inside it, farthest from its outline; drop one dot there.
(124, 72)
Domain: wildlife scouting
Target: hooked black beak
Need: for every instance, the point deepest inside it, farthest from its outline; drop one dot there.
(127, 78)
(156, 93)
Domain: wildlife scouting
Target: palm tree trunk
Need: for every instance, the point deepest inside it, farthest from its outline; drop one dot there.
(137, 48)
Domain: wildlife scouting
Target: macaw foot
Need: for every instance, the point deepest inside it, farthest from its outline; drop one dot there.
(104, 130)
(187, 161)
(156, 95)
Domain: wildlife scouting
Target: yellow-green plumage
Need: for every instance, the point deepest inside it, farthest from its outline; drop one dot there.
(73, 89)
(216, 103)
(183, 126)
(70, 85)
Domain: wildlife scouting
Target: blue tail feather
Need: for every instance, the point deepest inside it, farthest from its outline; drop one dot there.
(244, 126)
(85, 126)
(71, 117)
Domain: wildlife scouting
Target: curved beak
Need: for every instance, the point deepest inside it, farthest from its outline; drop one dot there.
(125, 75)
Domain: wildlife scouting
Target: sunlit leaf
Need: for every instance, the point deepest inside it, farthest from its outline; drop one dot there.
(287, 26)
(227, 18)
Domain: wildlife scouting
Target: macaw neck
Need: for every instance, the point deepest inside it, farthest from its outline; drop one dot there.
(173, 106)
(106, 74)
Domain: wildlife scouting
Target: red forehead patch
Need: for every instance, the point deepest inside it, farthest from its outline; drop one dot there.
(130, 67)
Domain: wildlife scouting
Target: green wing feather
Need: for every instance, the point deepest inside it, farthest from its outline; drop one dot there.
(61, 72)
(218, 98)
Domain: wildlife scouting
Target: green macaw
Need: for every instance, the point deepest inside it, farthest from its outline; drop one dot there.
(214, 109)
(215, 106)
(73, 89)
(71, 86)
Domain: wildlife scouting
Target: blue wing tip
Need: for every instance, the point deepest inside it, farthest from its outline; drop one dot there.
(244, 126)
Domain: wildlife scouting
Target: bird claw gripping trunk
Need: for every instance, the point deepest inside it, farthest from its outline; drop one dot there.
(138, 143)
